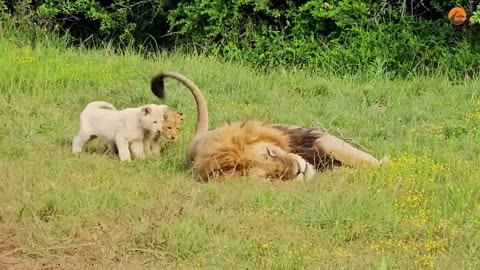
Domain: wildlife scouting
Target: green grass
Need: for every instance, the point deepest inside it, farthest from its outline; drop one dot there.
(90, 211)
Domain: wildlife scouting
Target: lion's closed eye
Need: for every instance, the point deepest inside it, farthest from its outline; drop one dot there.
(271, 153)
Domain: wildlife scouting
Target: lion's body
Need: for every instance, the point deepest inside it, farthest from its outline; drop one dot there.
(324, 150)
(245, 148)
(303, 141)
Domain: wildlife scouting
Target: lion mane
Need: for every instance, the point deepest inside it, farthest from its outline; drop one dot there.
(247, 148)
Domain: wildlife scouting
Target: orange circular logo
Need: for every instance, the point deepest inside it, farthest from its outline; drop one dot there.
(457, 16)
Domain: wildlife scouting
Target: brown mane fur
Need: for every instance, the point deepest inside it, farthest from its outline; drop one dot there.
(230, 150)
(302, 142)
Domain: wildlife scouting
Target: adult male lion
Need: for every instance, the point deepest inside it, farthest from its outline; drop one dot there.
(261, 150)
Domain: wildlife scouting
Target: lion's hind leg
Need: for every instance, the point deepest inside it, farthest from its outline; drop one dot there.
(344, 152)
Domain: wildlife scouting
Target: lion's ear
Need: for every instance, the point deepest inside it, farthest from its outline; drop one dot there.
(270, 152)
(182, 116)
(146, 110)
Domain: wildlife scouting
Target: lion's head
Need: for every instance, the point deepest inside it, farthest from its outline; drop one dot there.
(152, 118)
(271, 162)
(250, 149)
(171, 125)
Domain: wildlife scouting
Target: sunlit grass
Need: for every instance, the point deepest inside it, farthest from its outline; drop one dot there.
(421, 211)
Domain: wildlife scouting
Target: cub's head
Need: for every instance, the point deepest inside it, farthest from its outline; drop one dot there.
(172, 123)
(273, 163)
(152, 118)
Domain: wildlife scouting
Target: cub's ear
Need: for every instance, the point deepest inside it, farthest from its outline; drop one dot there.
(165, 108)
(270, 152)
(182, 116)
(146, 110)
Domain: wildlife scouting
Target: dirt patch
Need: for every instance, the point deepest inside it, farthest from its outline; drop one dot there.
(11, 263)
(98, 252)
(7, 239)
(10, 252)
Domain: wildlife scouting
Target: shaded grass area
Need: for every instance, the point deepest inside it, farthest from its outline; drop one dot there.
(59, 210)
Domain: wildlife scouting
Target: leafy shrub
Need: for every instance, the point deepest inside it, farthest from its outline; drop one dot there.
(334, 36)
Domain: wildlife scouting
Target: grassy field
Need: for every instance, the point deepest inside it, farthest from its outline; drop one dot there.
(61, 211)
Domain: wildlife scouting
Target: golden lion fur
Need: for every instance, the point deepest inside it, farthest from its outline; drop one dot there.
(239, 148)
(171, 126)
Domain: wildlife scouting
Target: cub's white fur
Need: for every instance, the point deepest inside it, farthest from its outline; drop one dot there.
(122, 129)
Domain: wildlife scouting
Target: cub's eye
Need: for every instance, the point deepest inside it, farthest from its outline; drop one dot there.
(154, 122)
(169, 128)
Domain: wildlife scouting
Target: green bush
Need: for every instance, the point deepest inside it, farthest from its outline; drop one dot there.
(337, 36)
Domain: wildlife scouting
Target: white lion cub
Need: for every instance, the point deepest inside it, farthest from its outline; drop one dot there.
(124, 129)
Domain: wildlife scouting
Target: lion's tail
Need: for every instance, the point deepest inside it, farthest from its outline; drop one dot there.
(157, 86)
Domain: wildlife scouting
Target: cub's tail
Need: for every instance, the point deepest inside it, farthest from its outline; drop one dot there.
(100, 104)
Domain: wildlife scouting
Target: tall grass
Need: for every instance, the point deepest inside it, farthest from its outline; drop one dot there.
(88, 211)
